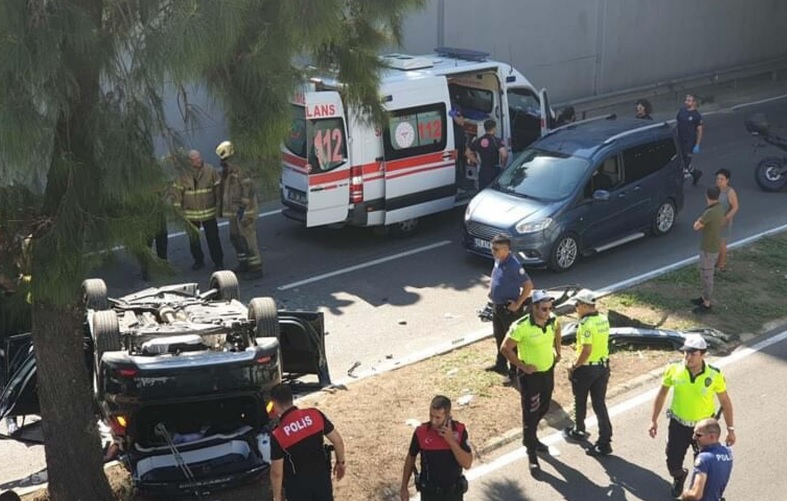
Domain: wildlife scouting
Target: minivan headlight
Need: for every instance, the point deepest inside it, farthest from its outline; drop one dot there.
(526, 226)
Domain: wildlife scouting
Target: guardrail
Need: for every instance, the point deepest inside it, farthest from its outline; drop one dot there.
(593, 104)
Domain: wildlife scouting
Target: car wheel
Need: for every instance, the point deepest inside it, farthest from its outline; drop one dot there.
(264, 312)
(664, 219)
(94, 294)
(226, 283)
(106, 337)
(564, 253)
(769, 175)
(403, 228)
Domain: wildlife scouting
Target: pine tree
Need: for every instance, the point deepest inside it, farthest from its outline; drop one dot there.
(81, 101)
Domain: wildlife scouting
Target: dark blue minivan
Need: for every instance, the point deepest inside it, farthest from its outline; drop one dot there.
(582, 188)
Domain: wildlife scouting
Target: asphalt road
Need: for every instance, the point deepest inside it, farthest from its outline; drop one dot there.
(636, 470)
(431, 295)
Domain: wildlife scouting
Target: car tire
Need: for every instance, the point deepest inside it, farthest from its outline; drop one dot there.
(264, 312)
(664, 218)
(403, 228)
(564, 253)
(226, 283)
(94, 294)
(106, 337)
(767, 174)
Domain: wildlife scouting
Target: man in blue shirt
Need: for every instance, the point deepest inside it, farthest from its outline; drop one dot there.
(713, 465)
(689, 124)
(509, 290)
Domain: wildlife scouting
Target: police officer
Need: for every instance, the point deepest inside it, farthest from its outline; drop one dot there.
(298, 456)
(536, 338)
(590, 373)
(509, 290)
(239, 205)
(445, 451)
(713, 466)
(490, 154)
(695, 382)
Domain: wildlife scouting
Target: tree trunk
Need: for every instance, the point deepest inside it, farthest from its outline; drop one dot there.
(71, 440)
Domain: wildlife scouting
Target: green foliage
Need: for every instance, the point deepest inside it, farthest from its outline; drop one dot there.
(82, 85)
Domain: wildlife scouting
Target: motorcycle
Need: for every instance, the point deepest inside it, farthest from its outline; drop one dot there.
(771, 172)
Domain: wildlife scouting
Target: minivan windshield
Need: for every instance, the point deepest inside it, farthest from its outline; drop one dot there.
(543, 175)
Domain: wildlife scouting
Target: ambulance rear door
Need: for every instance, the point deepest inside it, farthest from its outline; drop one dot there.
(327, 163)
(418, 143)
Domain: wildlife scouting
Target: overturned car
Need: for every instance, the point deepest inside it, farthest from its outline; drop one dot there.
(181, 377)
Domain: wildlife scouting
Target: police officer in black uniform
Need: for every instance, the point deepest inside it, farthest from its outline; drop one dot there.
(490, 154)
(299, 460)
(509, 290)
(445, 451)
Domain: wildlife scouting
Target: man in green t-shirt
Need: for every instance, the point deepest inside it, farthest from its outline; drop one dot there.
(710, 223)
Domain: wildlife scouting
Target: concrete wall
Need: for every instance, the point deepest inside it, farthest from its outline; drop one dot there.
(579, 48)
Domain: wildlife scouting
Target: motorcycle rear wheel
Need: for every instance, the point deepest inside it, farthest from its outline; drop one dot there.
(770, 174)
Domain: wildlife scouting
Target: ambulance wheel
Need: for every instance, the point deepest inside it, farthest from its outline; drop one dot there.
(266, 317)
(403, 228)
(226, 283)
(94, 294)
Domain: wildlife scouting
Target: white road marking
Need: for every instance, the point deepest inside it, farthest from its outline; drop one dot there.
(648, 396)
(625, 284)
(361, 266)
(221, 224)
(761, 101)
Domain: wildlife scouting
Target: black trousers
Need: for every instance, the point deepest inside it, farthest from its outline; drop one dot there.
(502, 318)
(486, 175)
(535, 392)
(211, 227)
(312, 488)
(160, 239)
(679, 439)
(592, 380)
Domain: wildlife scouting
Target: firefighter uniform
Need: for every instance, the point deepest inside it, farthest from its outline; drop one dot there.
(440, 478)
(692, 401)
(239, 205)
(298, 440)
(196, 195)
(592, 377)
(535, 346)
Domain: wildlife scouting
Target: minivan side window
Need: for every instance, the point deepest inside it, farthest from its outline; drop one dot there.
(644, 160)
(415, 131)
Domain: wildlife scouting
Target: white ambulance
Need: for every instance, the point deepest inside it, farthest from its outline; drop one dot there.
(339, 169)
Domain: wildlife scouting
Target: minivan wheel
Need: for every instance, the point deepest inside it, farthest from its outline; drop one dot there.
(564, 253)
(664, 219)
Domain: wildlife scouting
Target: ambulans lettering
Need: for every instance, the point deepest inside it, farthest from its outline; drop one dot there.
(320, 110)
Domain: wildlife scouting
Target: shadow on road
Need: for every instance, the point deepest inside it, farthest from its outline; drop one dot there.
(504, 489)
(575, 485)
(642, 483)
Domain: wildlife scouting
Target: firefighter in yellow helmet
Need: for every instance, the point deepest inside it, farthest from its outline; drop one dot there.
(239, 205)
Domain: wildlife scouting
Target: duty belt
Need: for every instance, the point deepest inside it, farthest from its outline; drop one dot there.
(603, 362)
(688, 424)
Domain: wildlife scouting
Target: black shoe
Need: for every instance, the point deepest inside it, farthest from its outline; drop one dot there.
(197, 265)
(696, 174)
(697, 301)
(678, 483)
(701, 309)
(599, 450)
(572, 433)
(534, 467)
(502, 370)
